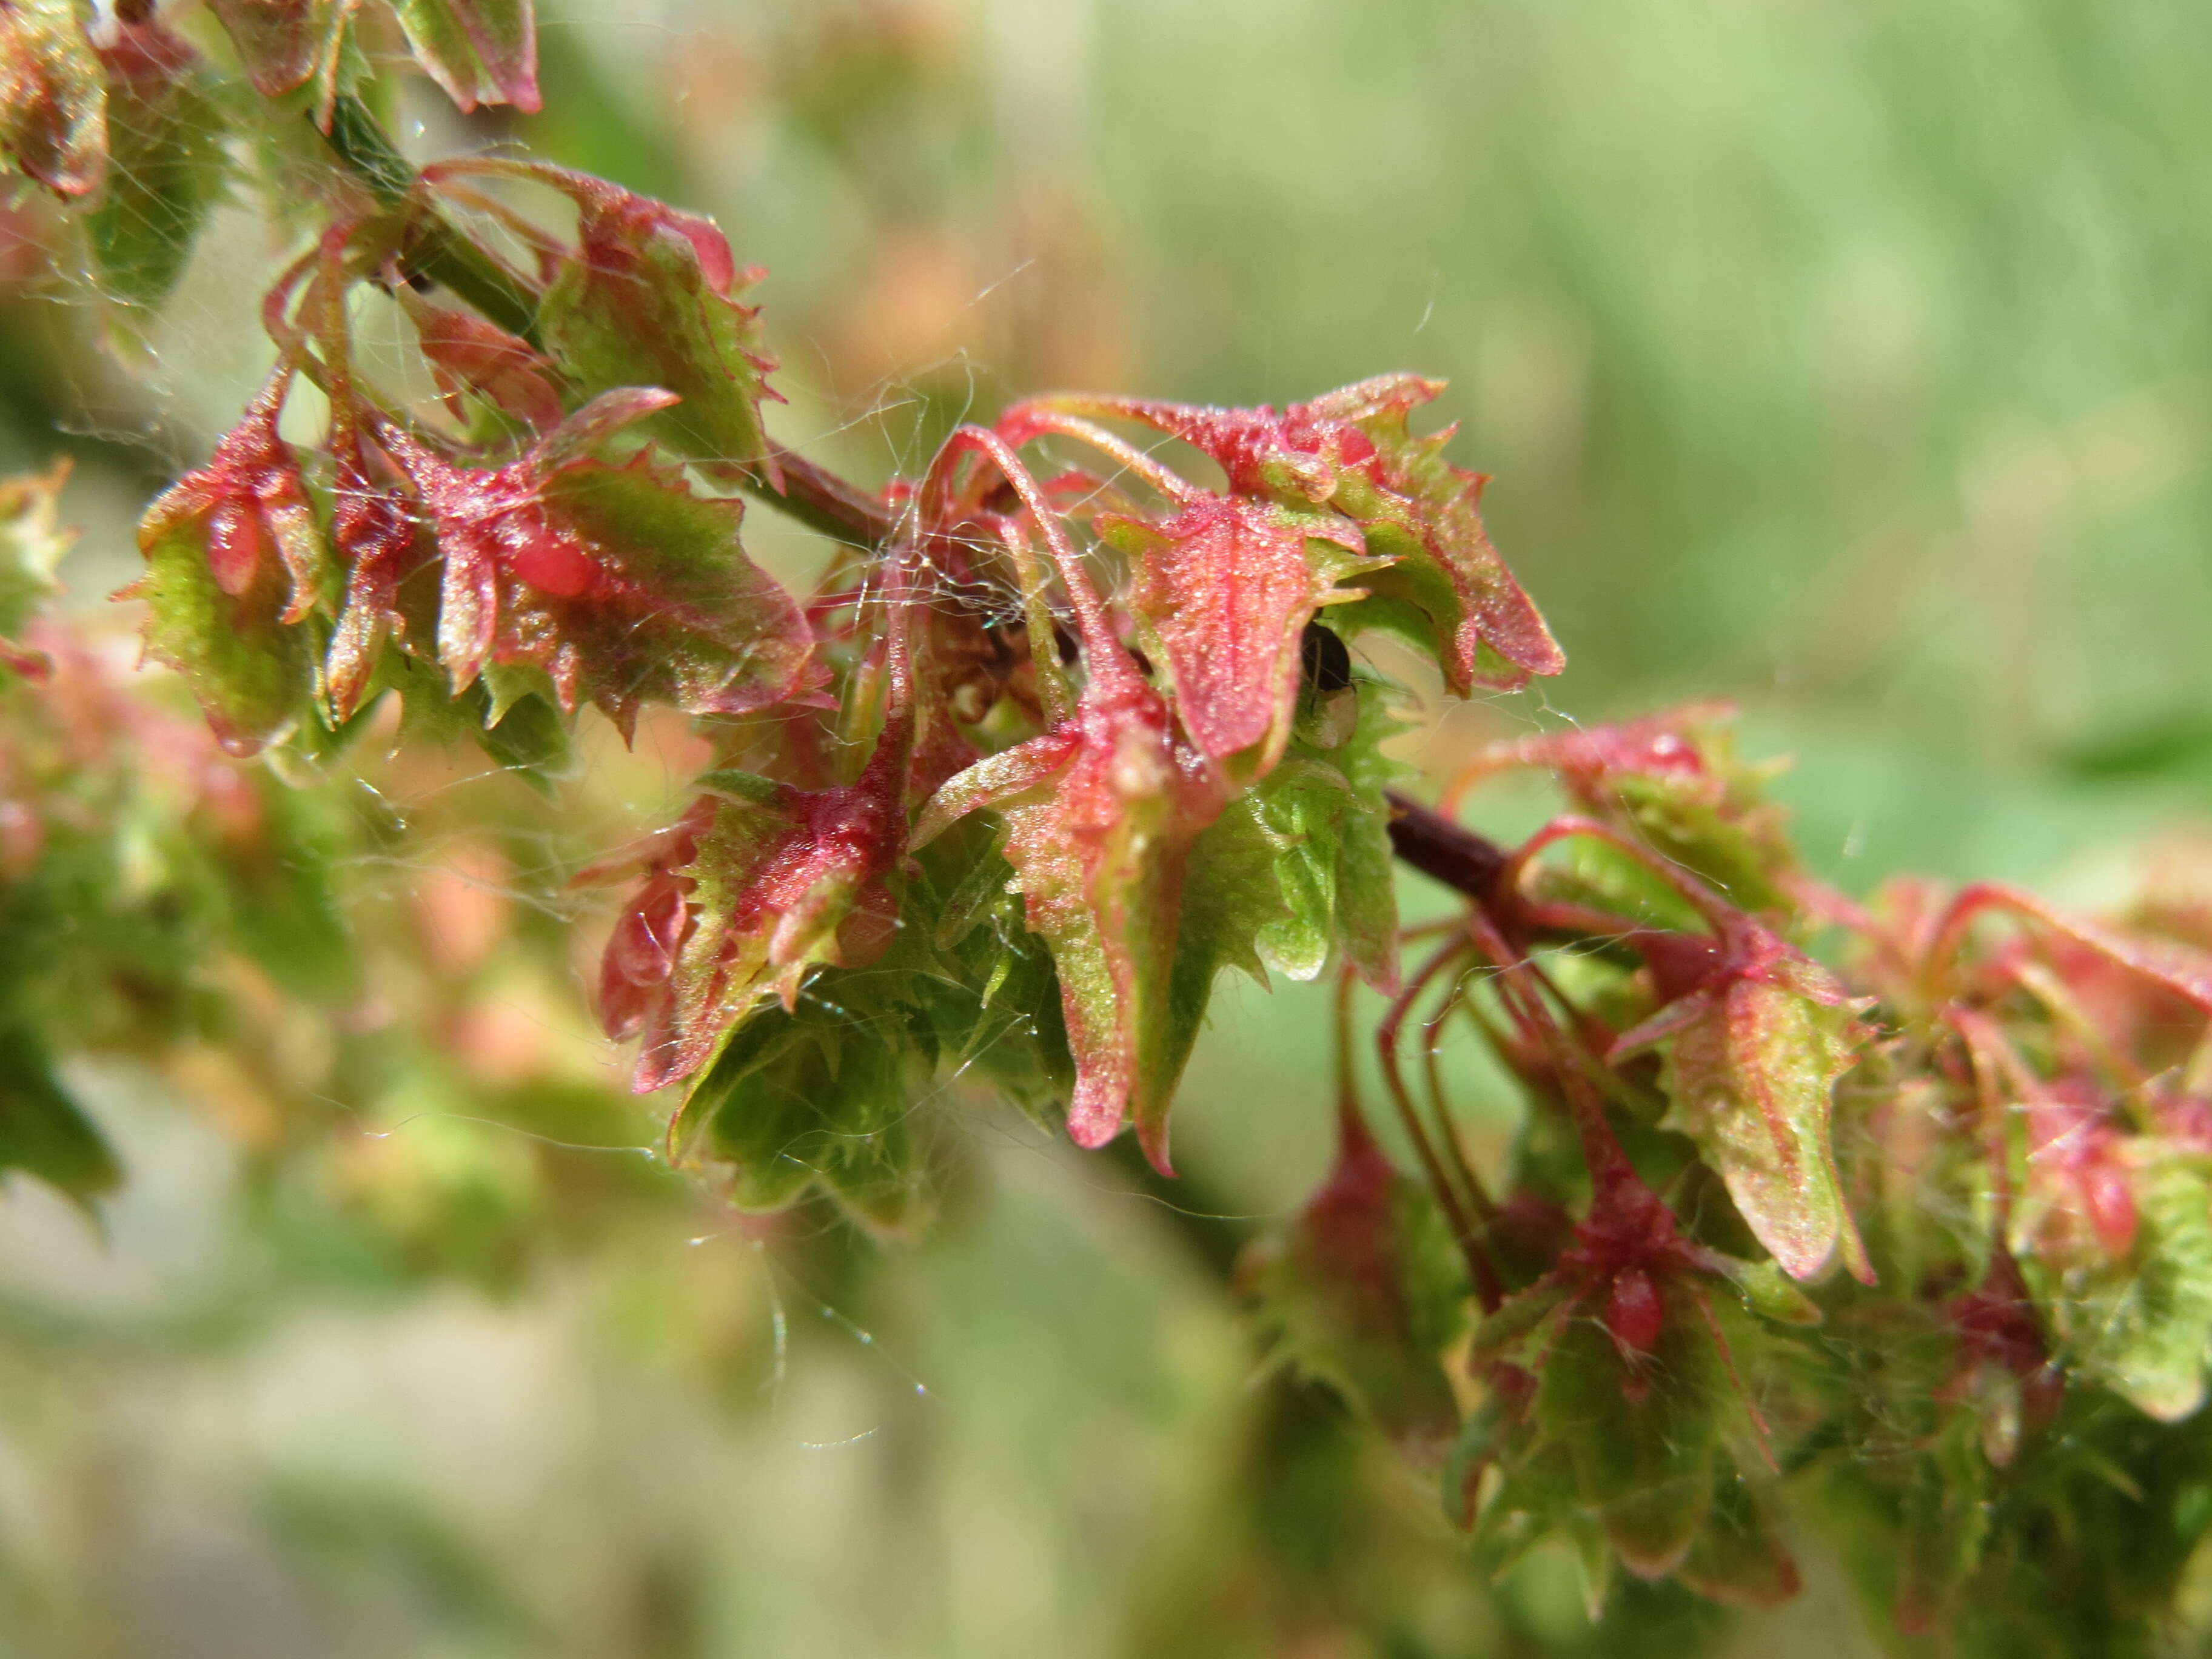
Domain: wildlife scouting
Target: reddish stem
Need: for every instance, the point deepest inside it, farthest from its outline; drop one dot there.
(1026, 421)
(1480, 1271)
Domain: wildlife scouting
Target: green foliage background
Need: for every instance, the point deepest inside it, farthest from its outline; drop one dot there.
(1849, 360)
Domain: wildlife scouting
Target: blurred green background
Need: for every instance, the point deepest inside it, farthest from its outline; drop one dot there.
(1850, 360)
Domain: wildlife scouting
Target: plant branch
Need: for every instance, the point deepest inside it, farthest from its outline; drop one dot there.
(1443, 850)
(434, 248)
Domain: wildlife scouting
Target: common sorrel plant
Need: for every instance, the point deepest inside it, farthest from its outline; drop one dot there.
(1885, 1229)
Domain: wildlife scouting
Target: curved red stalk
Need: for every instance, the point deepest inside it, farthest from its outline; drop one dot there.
(1481, 1272)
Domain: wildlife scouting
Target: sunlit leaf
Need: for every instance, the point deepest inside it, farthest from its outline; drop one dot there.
(1756, 1036)
(1438, 576)
(618, 584)
(651, 297)
(1670, 781)
(1417, 507)
(1226, 588)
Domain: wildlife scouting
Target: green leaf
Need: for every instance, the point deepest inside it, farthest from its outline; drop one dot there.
(168, 166)
(821, 1095)
(2142, 1327)
(31, 543)
(252, 673)
(1739, 1556)
(1335, 866)
(1644, 1445)
(282, 43)
(53, 98)
(481, 52)
(42, 1131)
(995, 1001)
(1749, 1077)
(1296, 867)
(1364, 1291)
(526, 735)
(650, 298)
(1768, 1291)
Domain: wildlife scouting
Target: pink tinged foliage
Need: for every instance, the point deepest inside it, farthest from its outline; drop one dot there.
(2003, 1368)
(1672, 781)
(282, 43)
(650, 297)
(1633, 1312)
(1591, 762)
(53, 101)
(1633, 1373)
(467, 353)
(1624, 1253)
(1226, 587)
(1407, 494)
(481, 52)
(640, 960)
(1757, 1036)
(234, 556)
(1098, 815)
(1351, 450)
(2181, 969)
(252, 503)
(619, 583)
(375, 530)
(2080, 1180)
(759, 884)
